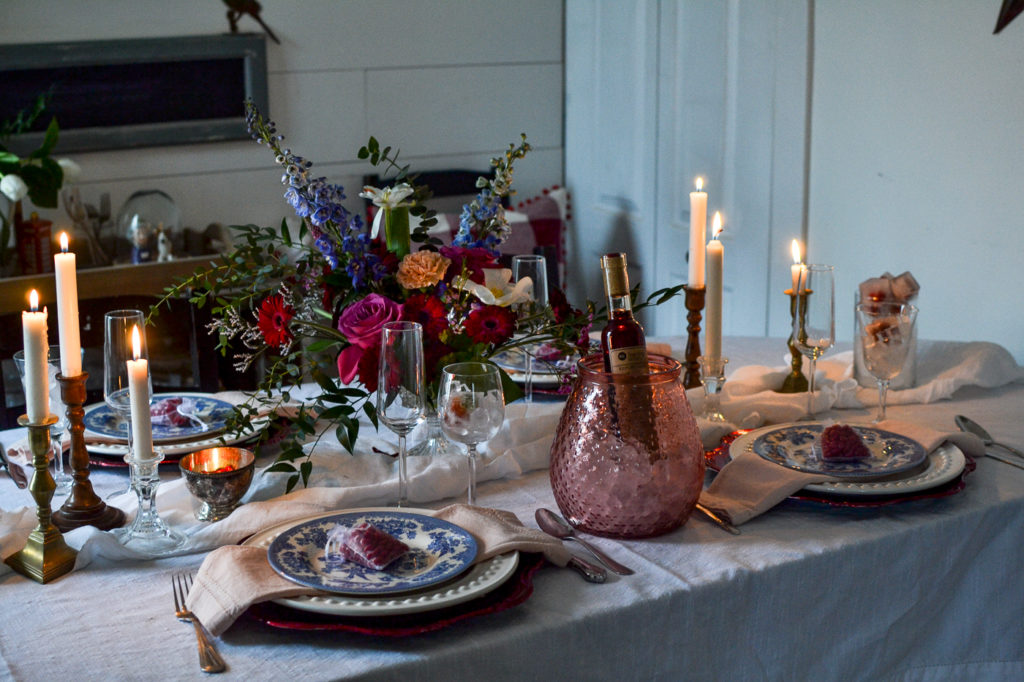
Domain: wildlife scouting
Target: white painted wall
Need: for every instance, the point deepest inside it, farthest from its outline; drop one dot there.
(917, 160)
(449, 83)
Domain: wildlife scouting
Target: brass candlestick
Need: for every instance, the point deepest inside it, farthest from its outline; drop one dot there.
(83, 507)
(795, 381)
(45, 556)
(694, 304)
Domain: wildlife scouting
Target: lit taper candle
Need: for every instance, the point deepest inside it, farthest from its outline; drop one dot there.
(698, 233)
(67, 310)
(716, 253)
(138, 396)
(37, 380)
(797, 265)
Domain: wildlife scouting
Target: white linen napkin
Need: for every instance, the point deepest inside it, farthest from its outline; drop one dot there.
(750, 485)
(232, 578)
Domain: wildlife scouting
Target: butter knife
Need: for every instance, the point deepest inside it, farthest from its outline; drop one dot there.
(592, 573)
(1005, 460)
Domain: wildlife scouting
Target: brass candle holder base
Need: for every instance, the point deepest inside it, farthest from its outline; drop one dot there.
(45, 556)
(694, 306)
(795, 381)
(83, 507)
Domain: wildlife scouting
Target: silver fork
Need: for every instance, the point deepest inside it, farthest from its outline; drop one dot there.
(209, 660)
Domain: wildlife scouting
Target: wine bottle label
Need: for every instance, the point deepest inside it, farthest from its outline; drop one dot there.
(629, 360)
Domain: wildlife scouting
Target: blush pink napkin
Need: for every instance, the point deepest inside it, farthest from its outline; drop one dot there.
(750, 485)
(234, 577)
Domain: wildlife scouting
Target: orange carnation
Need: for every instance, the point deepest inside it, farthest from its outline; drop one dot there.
(422, 269)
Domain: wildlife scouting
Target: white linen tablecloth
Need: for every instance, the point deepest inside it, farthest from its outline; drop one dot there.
(925, 590)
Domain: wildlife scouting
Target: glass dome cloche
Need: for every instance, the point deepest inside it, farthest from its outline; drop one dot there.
(151, 222)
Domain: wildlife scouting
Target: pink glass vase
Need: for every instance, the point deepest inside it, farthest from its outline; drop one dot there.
(627, 459)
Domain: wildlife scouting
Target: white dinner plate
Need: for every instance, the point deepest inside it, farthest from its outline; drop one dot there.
(515, 366)
(480, 579)
(941, 466)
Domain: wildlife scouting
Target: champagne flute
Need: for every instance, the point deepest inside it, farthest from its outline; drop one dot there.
(534, 268)
(401, 392)
(886, 331)
(814, 326)
(117, 350)
(472, 407)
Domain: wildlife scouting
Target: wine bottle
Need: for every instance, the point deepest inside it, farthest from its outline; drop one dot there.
(622, 339)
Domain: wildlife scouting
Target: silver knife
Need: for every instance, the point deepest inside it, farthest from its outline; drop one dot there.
(718, 520)
(592, 573)
(1005, 460)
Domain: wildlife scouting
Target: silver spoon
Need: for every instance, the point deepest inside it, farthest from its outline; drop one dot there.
(555, 526)
(970, 426)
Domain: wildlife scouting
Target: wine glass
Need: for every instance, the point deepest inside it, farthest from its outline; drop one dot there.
(60, 477)
(472, 407)
(886, 332)
(117, 351)
(534, 268)
(401, 392)
(148, 533)
(814, 325)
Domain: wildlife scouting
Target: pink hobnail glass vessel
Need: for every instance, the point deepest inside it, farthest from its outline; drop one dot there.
(627, 459)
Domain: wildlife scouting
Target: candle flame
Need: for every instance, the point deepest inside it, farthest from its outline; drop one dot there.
(699, 182)
(33, 300)
(716, 225)
(136, 342)
(795, 249)
(63, 242)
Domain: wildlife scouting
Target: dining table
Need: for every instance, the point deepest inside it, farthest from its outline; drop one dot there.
(924, 588)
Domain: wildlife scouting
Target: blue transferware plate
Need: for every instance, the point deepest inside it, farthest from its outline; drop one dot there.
(438, 550)
(797, 447)
(101, 419)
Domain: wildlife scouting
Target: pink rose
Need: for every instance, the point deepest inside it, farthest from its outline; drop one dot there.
(361, 323)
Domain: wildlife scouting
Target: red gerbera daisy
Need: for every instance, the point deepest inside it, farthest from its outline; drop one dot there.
(428, 311)
(273, 321)
(490, 324)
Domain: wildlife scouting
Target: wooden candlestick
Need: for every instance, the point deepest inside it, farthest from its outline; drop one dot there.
(795, 381)
(694, 304)
(45, 556)
(83, 507)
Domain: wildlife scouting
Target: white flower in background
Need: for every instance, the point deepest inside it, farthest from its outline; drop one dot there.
(386, 199)
(497, 288)
(13, 187)
(72, 170)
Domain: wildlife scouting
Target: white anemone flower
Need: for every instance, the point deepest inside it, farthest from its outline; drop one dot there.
(13, 187)
(497, 288)
(72, 170)
(386, 199)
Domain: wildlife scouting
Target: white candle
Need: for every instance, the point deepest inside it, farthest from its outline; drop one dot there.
(37, 379)
(698, 233)
(138, 396)
(713, 335)
(795, 268)
(67, 310)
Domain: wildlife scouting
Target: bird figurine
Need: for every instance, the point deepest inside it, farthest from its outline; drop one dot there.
(236, 8)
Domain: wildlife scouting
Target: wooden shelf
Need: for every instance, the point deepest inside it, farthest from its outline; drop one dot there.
(144, 278)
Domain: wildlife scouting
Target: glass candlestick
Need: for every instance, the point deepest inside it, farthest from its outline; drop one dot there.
(712, 375)
(148, 533)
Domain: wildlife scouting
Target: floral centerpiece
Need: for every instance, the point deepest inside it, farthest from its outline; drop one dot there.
(310, 303)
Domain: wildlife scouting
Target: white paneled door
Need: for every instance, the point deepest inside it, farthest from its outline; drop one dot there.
(660, 92)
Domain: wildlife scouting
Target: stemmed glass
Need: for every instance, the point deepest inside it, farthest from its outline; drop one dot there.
(60, 477)
(886, 332)
(472, 407)
(401, 392)
(814, 326)
(148, 533)
(117, 350)
(534, 268)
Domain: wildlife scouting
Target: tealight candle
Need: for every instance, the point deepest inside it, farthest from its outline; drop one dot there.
(138, 397)
(716, 254)
(37, 380)
(67, 310)
(698, 232)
